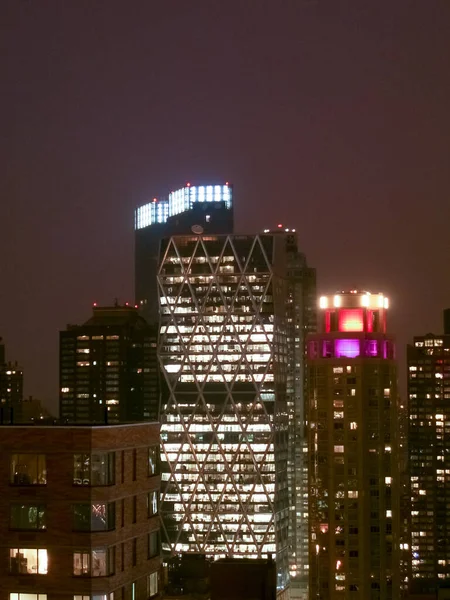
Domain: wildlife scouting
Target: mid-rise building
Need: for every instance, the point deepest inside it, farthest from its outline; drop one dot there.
(11, 388)
(353, 436)
(429, 460)
(233, 316)
(202, 208)
(108, 368)
(79, 512)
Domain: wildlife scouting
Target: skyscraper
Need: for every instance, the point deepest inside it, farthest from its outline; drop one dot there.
(206, 208)
(11, 388)
(108, 368)
(232, 320)
(429, 460)
(353, 451)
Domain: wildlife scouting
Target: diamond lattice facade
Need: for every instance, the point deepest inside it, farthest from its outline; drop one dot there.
(225, 350)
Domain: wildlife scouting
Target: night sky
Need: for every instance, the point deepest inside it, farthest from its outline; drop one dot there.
(332, 117)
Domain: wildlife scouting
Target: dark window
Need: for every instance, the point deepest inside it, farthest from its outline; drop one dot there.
(134, 509)
(134, 463)
(27, 517)
(93, 517)
(134, 552)
(28, 469)
(153, 544)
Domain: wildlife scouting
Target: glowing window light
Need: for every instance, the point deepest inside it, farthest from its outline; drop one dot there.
(351, 319)
(323, 302)
(337, 301)
(347, 348)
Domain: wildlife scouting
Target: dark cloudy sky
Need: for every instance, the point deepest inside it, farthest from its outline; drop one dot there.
(328, 116)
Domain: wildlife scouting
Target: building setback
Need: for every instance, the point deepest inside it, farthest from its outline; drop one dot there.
(206, 208)
(429, 460)
(79, 512)
(108, 368)
(353, 436)
(227, 339)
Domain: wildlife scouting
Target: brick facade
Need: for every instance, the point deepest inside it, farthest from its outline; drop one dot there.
(129, 443)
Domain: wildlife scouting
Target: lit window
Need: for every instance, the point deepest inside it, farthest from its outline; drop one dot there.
(152, 503)
(26, 561)
(28, 469)
(27, 596)
(152, 584)
(98, 562)
(339, 448)
(93, 469)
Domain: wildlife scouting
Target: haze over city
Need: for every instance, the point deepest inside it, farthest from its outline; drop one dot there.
(328, 117)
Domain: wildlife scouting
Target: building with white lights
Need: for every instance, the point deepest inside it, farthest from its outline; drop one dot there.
(353, 437)
(429, 461)
(204, 208)
(234, 309)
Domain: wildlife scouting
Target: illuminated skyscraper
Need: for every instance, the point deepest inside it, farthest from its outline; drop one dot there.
(206, 208)
(233, 313)
(429, 460)
(353, 436)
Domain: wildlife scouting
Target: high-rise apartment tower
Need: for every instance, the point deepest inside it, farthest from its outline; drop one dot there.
(234, 309)
(201, 208)
(108, 368)
(353, 451)
(429, 460)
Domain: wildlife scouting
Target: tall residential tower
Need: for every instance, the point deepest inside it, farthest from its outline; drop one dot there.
(233, 314)
(429, 460)
(353, 437)
(108, 368)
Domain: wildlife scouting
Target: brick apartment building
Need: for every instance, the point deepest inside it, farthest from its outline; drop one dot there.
(79, 512)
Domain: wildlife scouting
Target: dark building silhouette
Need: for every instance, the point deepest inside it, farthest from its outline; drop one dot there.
(429, 461)
(234, 311)
(108, 368)
(354, 449)
(243, 579)
(206, 208)
(11, 388)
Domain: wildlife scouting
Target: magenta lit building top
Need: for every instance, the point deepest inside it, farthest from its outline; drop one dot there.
(352, 325)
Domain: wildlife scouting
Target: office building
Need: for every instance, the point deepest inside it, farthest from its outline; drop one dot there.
(227, 340)
(203, 208)
(79, 512)
(353, 436)
(108, 368)
(429, 461)
(11, 387)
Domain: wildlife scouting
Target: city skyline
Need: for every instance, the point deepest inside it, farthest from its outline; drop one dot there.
(329, 119)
